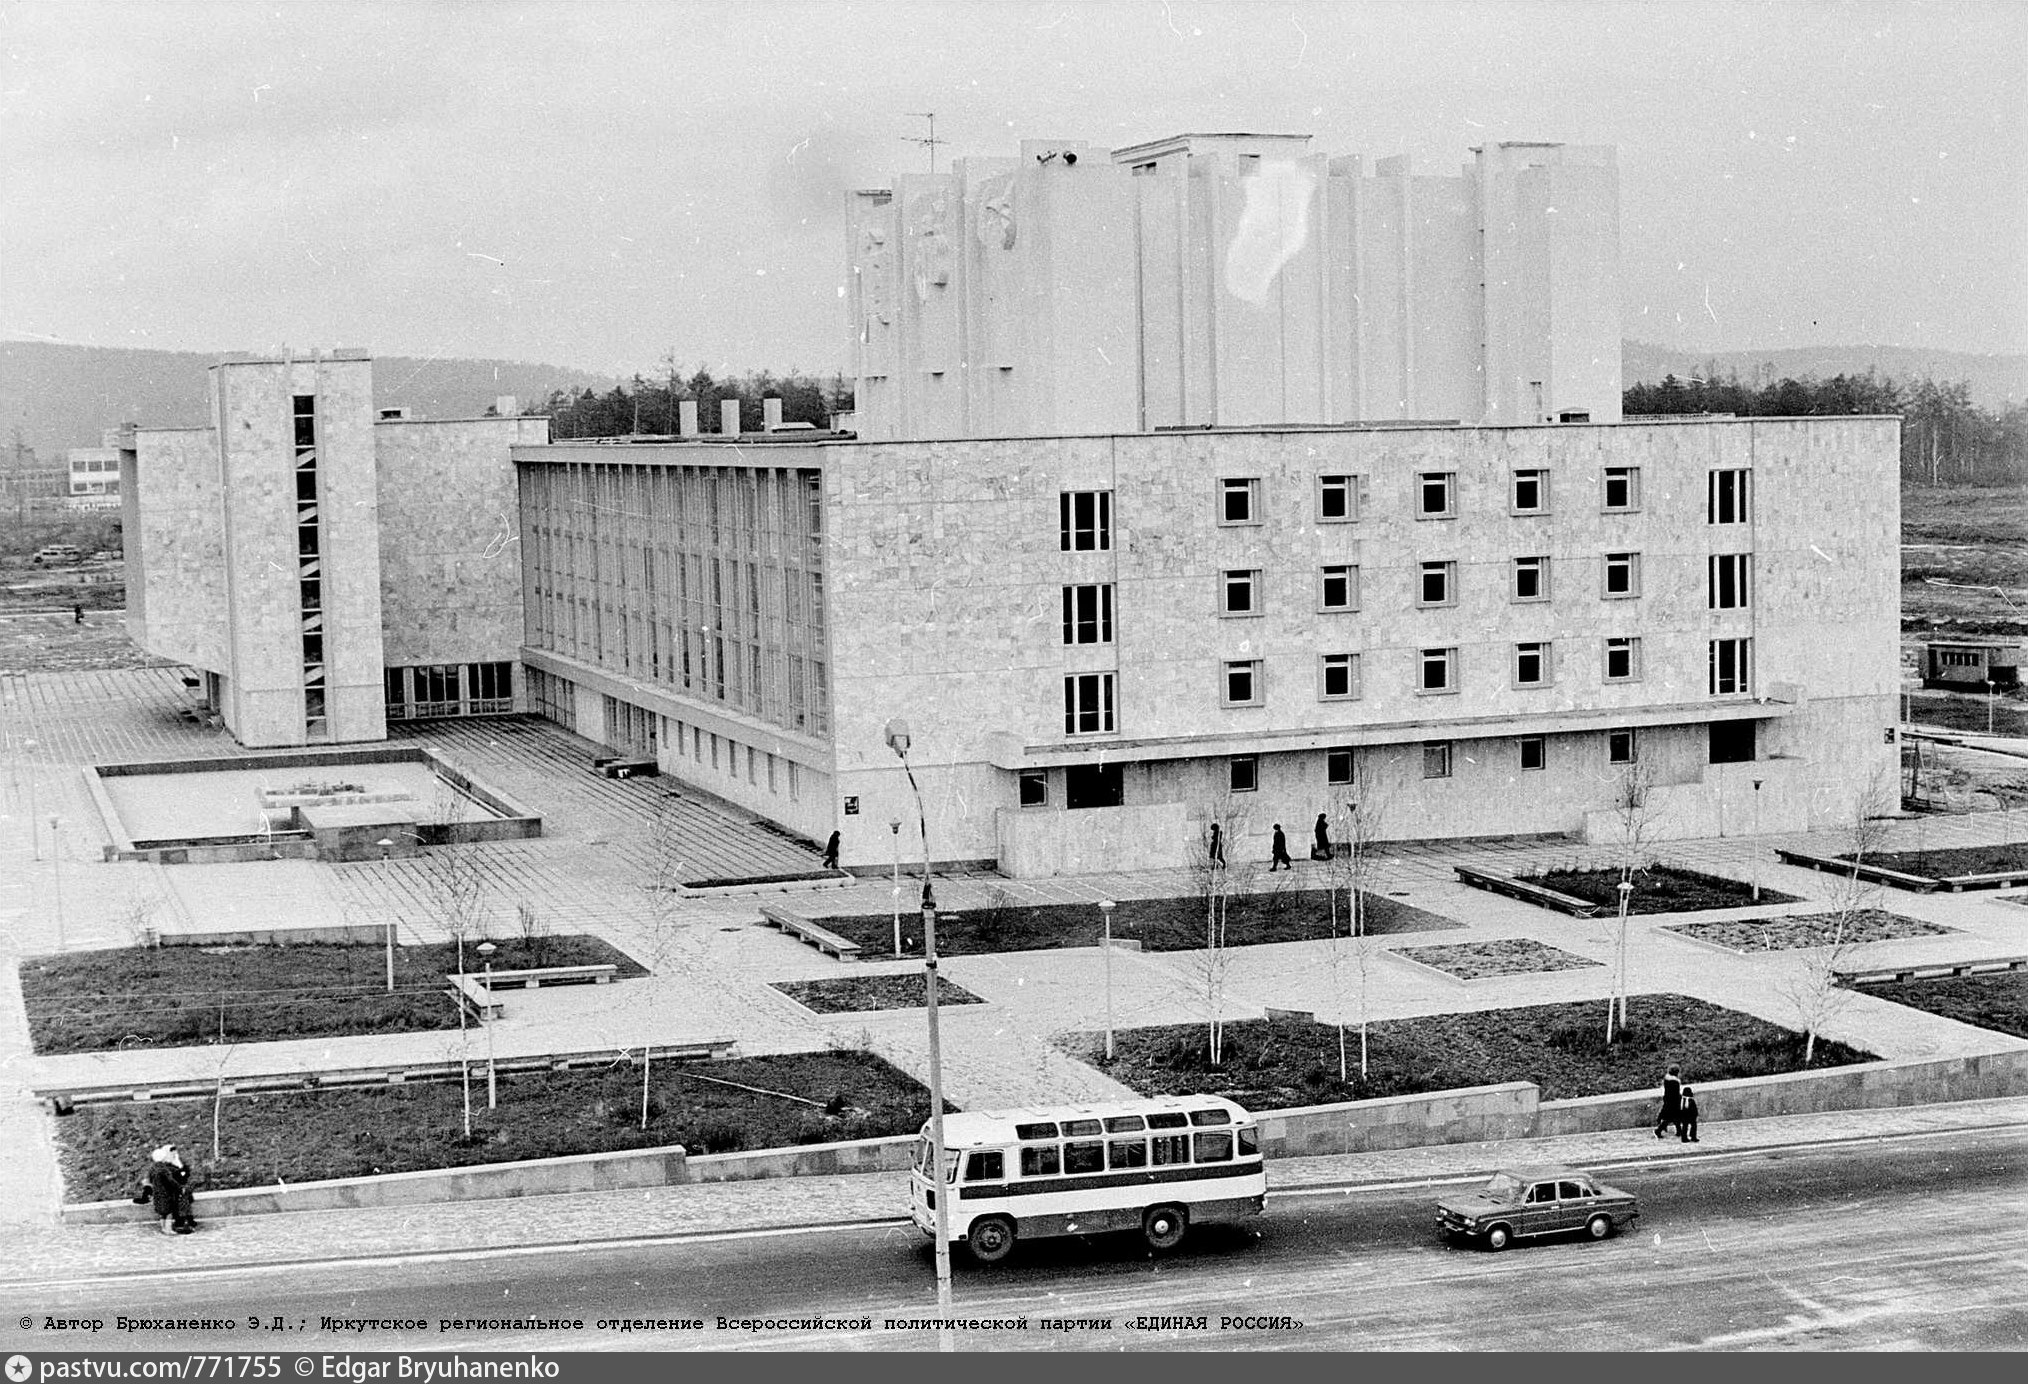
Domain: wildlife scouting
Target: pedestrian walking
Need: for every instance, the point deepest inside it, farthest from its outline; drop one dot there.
(77, 613)
(1686, 1117)
(1216, 849)
(1320, 849)
(1281, 859)
(831, 852)
(1672, 1099)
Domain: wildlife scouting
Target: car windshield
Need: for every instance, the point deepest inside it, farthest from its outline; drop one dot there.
(1503, 1187)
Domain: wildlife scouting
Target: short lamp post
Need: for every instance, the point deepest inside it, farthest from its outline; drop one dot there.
(1106, 907)
(55, 872)
(1626, 893)
(486, 950)
(898, 741)
(1992, 693)
(894, 831)
(34, 831)
(386, 845)
(1754, 853)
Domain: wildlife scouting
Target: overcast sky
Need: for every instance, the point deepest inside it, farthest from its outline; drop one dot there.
(594, 184)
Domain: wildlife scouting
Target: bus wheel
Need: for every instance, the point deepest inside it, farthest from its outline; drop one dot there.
(1163, 1226)
(991, 1239)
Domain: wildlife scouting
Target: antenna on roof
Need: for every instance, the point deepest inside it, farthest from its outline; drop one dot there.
(930, 140)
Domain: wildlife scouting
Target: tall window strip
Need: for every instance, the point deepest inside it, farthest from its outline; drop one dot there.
(310, 568)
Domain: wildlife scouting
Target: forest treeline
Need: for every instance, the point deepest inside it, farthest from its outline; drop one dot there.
(1946, 439)
(652, 407)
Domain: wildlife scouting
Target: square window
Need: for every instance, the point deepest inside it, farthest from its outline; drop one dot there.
(1731, 667)
(1439, 671)
(1531, 665)
(1436, 494)
(1088, 704)
(1730, 580)
(1338, 588)
(1340, 677)
(1530, 493)
(1239, 501)
(1622, 575)
(1242, 683)
(1085, 521)
(1337, 499)
(1728, 500)
(1238, 593)
(1338, 767)
(1623, 659)
(1243, 772)
(1436, 584)
(1622, 488)
(1622, 747)
(1534, 752)
(1732, 742)
(1088, 614)
(1531, 578)
(1436, 759)
(1034, 787)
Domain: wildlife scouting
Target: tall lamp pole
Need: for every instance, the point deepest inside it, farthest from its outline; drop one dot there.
(897, 740)
(894, 830)
(1106, 907)
(55, 872)
(386, 844)
(1755, 853)
(34, 831)
(486, 950)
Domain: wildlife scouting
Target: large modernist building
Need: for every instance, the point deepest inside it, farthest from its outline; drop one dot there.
(1140, 533)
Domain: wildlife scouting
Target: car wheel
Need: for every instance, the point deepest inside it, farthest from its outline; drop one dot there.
(1497, 1237)
(991, 1239)
(1599, 1226)
(1163, 1226)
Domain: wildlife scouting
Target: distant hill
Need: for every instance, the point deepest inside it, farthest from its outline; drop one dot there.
(65, 396)
(1995, 381)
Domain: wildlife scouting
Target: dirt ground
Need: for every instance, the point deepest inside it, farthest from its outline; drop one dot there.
(53, 642)
(1959, 543)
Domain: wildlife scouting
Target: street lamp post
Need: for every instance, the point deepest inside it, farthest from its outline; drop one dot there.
(386, 844)
(1626, 893)
(1106, 907)
(34, 831)
(894, 831)
(55, 873)
(486, 950)
(897, 740)
(1991, 693)
(1754, 851)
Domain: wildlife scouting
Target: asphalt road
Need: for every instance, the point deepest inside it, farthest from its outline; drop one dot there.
(1910, 1244)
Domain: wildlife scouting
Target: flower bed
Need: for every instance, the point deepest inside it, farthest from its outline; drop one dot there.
(2009, 857)
(1559, 1047)
(1998, 1001)
(858, 994)
(1807, 930)
(1657, 889)
(1506, 956)
(168, 996)
(1168, 924)
(717, 1107)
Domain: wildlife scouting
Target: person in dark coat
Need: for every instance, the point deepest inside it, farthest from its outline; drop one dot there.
(1281, 852)
(1672, 1099)
(831, 852)
(1216, 851)
(1686, 1117)
(77, 613)
(166, 1181)
(1320, 849)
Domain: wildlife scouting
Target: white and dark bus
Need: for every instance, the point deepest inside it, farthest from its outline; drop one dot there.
(1158, 1166)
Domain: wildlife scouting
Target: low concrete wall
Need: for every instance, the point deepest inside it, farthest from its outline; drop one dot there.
(598, 1172)
(1094, 840)
(1468, 1116)
(810, 1160)
(343, 934)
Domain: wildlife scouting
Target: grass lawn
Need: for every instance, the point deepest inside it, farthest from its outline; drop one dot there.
(1954, 860)
(1559, 1047)
(858, 994)
(1809, 930)
(134, 997)
(301, 1137)
(1657, 889)
(1505, 956)
(1998, 1001)
(1970, 535)
(1283, 914)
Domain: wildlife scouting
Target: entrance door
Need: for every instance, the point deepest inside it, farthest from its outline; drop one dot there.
(1093, 785)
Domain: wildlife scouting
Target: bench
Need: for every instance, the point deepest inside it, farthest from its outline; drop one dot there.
(471, 992)
(535, 977)
(1931, 970)
(1999, 879)
(1920, 884)
(1521, 889)
(822, 938)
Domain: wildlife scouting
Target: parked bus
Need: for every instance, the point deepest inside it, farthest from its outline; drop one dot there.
(1158, 1166)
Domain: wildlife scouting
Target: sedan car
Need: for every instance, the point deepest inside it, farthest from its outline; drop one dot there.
(1547, 1200)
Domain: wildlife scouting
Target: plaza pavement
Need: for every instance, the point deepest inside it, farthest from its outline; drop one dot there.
(714, 962)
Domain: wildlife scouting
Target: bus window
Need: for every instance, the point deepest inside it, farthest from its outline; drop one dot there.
(922, 1157)
(1035, 1131)
(1042, 1160)
(1170, 1149)
(1080, 1129)
(1249, 1140)
(1209, 1117)
(1169, 1119)
(984, 1167)
(1215, 1148)
(1127, 1153)
(1125, 1124)
(1084, 1158)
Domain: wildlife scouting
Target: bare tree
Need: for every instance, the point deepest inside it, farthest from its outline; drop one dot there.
(1352, 870)
(1634, 811)
(667, 864)
(1816, 990)
(454, 879)
(1216, 882)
